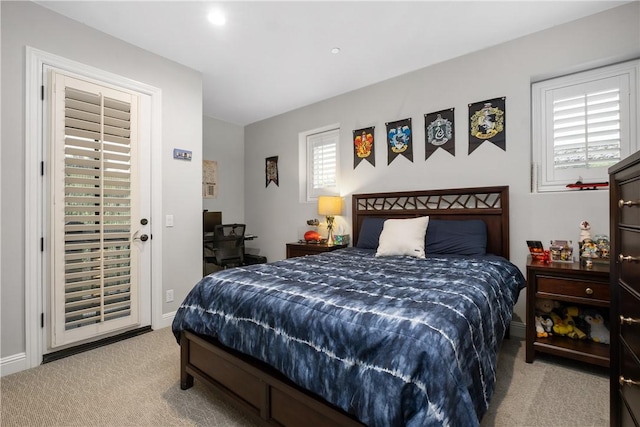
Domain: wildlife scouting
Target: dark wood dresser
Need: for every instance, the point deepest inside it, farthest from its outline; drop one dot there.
(624, 181)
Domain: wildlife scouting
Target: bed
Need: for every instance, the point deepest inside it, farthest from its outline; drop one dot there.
(348, 338)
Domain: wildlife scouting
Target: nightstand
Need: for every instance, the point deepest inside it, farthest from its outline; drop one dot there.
(569, 283)
(304, 249)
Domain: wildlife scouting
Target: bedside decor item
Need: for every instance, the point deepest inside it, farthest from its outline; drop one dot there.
(329, 206)
(312, 237)
(561, 251)
(536, 249)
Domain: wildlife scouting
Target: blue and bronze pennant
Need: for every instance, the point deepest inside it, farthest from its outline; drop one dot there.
(439, 132)
(399, 140)
(487, 122)
(271, 170)
(364, 146)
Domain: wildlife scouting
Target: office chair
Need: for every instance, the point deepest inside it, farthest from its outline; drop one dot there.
(227, 245)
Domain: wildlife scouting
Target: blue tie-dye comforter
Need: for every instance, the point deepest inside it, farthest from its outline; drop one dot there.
(394, 341)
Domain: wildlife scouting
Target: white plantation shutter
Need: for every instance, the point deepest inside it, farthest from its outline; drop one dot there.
(583, 124)
(322, 152)
(94, 263)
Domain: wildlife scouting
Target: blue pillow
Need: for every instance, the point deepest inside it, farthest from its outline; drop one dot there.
(451, 237)
(370, 232)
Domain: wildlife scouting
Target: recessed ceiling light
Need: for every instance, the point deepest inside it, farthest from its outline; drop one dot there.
(216, 17)
(335, 50)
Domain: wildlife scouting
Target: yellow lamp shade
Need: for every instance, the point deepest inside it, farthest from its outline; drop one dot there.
(329, 205)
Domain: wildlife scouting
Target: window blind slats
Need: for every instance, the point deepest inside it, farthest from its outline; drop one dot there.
(97, 211)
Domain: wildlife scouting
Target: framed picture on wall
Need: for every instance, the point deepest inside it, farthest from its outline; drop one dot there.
(209, 179)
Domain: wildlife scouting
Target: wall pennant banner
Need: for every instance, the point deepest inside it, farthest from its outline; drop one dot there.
(399, 140)
(439, 132)
(487, 122)
(271, 170)
(364, 146)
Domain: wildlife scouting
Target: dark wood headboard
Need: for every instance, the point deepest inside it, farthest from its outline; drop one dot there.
(490, 204)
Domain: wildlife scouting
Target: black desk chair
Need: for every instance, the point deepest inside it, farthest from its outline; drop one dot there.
(226, 246)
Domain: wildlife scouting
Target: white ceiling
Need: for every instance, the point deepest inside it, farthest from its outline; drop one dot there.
(273, 57)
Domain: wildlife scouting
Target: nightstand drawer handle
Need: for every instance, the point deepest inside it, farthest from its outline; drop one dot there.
(589, 291)
(622, 203)
(623, 381)
(628, 258)
(629, 321)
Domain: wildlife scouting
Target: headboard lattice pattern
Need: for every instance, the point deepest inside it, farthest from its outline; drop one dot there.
(490, 204)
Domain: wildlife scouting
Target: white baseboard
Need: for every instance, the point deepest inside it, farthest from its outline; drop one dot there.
(166, 320)
(518, 330)
(12, 364)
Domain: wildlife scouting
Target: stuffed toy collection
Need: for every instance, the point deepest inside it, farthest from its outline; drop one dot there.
(554, 318)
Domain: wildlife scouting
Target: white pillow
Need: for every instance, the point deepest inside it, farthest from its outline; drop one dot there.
(403, 237)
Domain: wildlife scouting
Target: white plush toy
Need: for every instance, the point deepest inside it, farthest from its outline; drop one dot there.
(599, 332)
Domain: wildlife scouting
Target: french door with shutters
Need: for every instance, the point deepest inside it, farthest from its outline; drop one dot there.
(95, 214)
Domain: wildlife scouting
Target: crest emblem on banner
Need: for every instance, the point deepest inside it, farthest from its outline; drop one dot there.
(363, 146)
(439, 132)
(487, 123)
(399, 140)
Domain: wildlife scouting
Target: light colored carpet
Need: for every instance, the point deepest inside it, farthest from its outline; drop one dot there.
(136, 383)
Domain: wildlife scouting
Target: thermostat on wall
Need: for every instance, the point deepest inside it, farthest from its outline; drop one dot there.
(181, 154)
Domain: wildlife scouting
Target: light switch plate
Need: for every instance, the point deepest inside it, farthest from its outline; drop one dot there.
(168, 222)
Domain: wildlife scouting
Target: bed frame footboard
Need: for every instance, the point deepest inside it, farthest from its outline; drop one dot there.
(254, 387)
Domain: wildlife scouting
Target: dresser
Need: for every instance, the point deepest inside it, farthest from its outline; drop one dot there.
(624, 181)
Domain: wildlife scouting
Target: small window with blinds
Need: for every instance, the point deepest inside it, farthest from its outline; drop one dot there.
(322, 163)
(583, 124)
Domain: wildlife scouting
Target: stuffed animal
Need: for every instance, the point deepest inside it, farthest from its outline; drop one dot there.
(545, 305)
(599, 332)
(547, 324)
(540, 331)
(560, 327)
(575, 333)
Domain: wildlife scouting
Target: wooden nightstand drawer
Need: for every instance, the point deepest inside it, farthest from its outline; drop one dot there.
(575, 288)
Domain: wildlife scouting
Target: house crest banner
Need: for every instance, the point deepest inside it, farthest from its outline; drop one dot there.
(364, 146)
(439, 132)
(399, 140)
(487, 122)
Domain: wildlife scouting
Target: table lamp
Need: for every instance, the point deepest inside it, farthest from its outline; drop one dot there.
(329, 206)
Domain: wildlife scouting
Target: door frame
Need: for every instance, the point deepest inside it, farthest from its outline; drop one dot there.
(34, 271)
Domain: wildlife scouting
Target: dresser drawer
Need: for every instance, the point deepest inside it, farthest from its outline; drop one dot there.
(574, 288)
(630, 370)
(630, 308)
(630, 191)
(630, 246)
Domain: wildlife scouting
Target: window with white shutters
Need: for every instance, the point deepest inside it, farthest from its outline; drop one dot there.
(584, 123)
(93, 204)
(322, 163)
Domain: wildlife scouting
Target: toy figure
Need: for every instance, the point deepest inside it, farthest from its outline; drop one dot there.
(585, 231)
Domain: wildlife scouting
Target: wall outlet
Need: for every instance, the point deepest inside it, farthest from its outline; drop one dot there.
(169, 296)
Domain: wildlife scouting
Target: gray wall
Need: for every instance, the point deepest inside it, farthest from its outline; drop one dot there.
(27, 24)
(224, 143)
(276, 214)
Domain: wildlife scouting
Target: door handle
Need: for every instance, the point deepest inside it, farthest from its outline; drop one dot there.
(143, 237)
